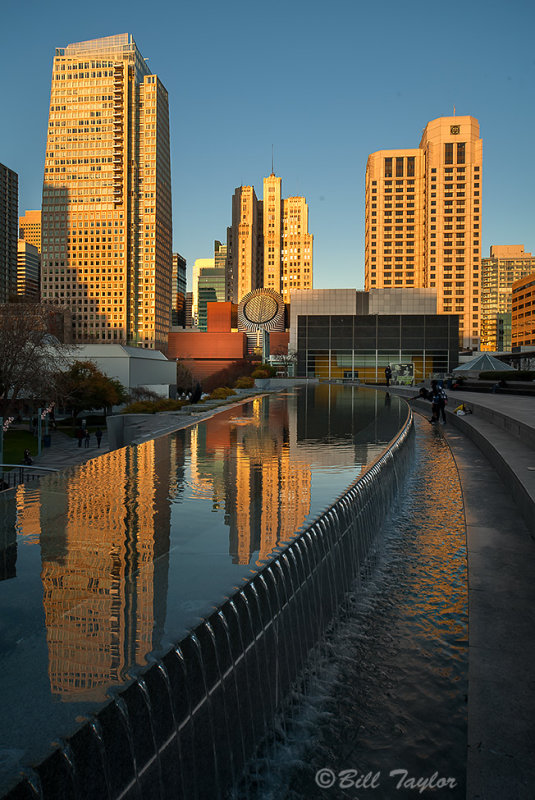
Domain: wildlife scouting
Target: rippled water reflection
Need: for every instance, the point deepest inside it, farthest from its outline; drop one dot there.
(107, 562)
(388, 689)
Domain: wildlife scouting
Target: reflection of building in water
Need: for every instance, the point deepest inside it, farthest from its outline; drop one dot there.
(105, 588)
(266, 491)
(8, 538)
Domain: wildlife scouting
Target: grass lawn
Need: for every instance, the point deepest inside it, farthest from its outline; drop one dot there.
(15, 443)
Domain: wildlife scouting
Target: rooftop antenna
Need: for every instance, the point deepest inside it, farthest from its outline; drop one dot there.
(453, 110)
(272, 171)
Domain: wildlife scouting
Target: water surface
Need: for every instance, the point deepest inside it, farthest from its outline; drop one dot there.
(110, 561)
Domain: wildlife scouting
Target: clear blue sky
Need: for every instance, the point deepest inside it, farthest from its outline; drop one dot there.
(325, 83)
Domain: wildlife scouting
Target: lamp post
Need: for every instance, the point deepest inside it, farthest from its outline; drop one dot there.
(39, 426)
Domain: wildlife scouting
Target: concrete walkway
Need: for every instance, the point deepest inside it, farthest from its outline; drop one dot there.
(494, 449)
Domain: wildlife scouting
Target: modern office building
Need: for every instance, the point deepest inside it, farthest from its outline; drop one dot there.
(199, 265)
(28, 271)
(9, 210)
(423, 219)
(523, 312)
(269, 246)
(30, 228)
(210, 289)
(342, 333)
(106, 221)
(178, 311)
(506, 264)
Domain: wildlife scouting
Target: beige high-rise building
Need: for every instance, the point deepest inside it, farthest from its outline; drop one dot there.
(269, 245)
(106, 221)
(30, 228)
(423, 219)
(506, 264)
(28, 270)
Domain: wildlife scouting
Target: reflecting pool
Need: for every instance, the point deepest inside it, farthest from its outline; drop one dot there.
(108, 562)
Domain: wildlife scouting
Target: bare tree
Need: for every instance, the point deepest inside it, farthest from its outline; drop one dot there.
(30, 355)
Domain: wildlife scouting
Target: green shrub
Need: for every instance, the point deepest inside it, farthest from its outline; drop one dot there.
(221, 393)
(508, 375)
(245, 382)
(260, 373)
(153, 406)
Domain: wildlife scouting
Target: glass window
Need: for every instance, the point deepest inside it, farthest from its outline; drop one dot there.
(399, 167)
(388, 167)
(461, 147)
(410, 166)
(448, 153)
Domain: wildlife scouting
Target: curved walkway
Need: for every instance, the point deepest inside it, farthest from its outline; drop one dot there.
(494, 449)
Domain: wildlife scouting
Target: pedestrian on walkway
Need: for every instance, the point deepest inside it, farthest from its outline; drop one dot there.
(388, 375)
(79, 435)
(98, 434)
(28, 460)
(87, 437)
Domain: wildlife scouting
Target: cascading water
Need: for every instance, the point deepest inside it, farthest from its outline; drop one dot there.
(186, 725)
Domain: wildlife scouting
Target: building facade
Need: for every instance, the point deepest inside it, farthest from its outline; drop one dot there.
(506, 264)
(269, 245)
(178, 312)
(30, 228)
(342, 333)
(106, 212)
(523, 312)
(9, 209)
(28, 271)
(423, 219)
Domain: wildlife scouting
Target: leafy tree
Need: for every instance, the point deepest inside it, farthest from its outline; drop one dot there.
(84, 386)
(29, 355)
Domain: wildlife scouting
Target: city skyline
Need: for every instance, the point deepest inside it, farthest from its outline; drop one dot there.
(332, 110)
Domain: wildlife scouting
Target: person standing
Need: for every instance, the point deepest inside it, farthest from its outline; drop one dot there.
(439, 398)
(98, 434)
(79, 435)
(388, 375)
(87, 437)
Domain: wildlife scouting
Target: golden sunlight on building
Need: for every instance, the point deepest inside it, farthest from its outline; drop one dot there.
(30, 228)
(102, 603)
(106, 221)
(423, 219)
(269, 246)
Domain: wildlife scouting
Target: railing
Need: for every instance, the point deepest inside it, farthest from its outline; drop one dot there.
(188, 724)
(21, 473)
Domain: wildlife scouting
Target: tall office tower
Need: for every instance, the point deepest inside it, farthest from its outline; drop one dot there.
(30, 228)
(269, 245)
(296, 260)
(178, 312)
(245, 244)
(523, 312)
(189, 309)
(199, 265)
(210, 289)
(423, 219)
(506, 264)
(28, 270)
(106, 222)
(9, 210)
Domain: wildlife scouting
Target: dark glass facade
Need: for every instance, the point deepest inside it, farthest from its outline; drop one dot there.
(360, 346)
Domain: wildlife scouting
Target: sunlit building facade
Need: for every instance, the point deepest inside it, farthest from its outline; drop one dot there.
(178, 314)
(28, 271)
(523, 312)
(423, 219)
(106, 212)
(30, 228)
(269, 246)
(506, 264)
